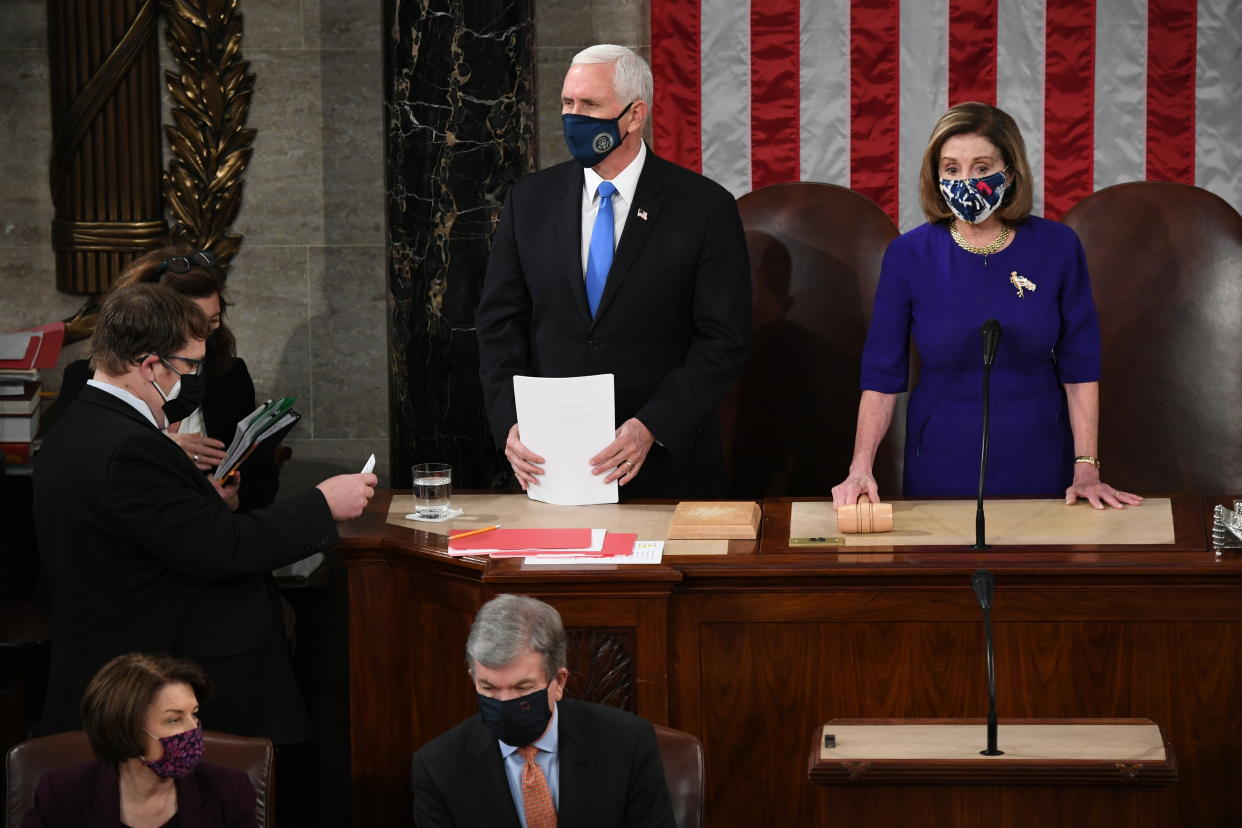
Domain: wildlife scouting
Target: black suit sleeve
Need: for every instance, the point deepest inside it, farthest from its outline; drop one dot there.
(429, 808)
(503, 325)
(689, 394)
(648, 802)
(164, 505)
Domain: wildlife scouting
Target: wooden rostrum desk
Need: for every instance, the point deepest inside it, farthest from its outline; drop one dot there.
(751, 650)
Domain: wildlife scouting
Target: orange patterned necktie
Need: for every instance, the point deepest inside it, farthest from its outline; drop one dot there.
(536, 795)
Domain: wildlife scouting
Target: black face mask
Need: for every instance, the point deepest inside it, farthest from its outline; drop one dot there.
(519, 721)
(186, 400)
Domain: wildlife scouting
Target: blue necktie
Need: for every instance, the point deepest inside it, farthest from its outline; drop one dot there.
(599, 259)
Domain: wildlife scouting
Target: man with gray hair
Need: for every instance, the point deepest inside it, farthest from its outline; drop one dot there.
(531, 757)
(619, 262)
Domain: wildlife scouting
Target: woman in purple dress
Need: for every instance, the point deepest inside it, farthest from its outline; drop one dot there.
(982, 256)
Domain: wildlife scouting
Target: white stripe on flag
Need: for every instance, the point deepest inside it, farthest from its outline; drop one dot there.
(824, 111)
(1020, 78)
(1120, 92)
(725, 61)
(924, 95)
(1218, 100)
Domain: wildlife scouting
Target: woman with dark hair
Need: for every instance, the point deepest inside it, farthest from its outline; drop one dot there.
(982, 255)
(140, 713)
(229, 396)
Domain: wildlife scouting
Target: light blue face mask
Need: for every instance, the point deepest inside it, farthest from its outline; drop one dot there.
(974, 199)
(590, 140)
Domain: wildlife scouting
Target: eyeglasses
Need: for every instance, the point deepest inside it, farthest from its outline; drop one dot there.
(182, 264)
(195, 364)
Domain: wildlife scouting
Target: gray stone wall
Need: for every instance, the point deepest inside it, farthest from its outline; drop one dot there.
(562, 29)
(308, 286)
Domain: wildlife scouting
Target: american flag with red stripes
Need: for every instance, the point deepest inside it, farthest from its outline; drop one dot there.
(847, 91)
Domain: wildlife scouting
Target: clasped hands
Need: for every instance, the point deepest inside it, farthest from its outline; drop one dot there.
(620, 460)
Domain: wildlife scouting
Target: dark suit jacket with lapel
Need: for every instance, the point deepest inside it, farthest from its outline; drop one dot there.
(143, 555)
(89, 796)
(229, 397)
(673, 324)
(610, 774)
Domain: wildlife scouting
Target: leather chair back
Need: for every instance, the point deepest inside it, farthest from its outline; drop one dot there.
(26, 763)
(1166, 270)
(682, 755)
(815, 254)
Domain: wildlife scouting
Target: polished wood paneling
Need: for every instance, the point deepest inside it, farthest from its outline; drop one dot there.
(749, 651)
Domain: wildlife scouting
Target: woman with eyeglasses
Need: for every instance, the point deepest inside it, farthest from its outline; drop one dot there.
(229, 391)
(140, 714)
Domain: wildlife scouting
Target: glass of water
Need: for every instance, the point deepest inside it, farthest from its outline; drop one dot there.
(432, 482)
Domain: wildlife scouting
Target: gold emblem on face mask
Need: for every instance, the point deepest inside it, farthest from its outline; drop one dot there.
(1021, 283)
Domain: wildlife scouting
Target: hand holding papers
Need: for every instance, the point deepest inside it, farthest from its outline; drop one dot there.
(268, 419)
(566, 421)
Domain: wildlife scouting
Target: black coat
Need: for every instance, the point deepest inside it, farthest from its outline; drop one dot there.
(142, 554)
(229, 396)
(610, 774)
(673, 324)
(89, 796)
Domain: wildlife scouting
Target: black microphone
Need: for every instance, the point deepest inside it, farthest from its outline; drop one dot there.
(991, 334)
(984, 584)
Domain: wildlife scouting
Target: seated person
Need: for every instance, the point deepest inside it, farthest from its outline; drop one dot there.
(140, 713)
(228, 390)
(532, 757)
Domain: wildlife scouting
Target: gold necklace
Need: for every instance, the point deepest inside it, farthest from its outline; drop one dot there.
(986, 250)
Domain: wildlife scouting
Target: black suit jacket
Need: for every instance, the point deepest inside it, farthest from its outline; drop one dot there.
(673, 324)
(143, 555)
(228, 397)
(89, 796)
(610, 774)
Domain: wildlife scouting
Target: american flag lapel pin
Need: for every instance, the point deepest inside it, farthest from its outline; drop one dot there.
(642, 214)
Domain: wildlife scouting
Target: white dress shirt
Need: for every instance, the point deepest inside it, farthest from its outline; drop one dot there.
(127, 396)
(626, 183)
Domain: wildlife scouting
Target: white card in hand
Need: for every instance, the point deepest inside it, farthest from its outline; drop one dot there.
(370, 466)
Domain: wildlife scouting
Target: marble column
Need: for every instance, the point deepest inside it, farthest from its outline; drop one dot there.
(459, 131)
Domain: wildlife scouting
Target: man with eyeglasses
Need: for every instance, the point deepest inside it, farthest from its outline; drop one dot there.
(142, 554)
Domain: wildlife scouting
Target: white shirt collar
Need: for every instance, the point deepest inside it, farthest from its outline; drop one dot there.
(625, 181)
(125, 395)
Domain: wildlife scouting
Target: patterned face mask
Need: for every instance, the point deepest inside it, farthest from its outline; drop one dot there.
(182, 753)
(974, 199)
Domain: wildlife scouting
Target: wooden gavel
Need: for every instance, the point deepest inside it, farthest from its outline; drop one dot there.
(865, 517)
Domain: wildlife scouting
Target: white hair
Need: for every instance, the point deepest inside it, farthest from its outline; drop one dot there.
(632, 76)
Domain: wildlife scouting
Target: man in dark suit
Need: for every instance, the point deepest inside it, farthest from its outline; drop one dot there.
(530, 758)
(141, 551)
(619, 262)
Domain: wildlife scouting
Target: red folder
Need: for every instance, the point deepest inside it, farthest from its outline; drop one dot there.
(516, 539)
(42, 350)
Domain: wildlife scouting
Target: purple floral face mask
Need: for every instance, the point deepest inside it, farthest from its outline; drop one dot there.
(182, 753)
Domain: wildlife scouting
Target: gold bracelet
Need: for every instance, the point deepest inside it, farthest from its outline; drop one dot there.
(1095, 461)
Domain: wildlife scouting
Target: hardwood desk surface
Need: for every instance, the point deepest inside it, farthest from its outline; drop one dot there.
(752, 649)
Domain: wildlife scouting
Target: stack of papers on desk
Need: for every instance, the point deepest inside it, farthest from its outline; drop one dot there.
(552, 545)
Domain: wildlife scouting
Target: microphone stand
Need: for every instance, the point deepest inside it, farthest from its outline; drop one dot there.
(991, 334)
(984, 584)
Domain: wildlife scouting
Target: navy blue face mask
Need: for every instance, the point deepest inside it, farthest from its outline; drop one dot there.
(519, 721)
(590, 140)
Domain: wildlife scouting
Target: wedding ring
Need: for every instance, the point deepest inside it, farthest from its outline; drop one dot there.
(196, 458)
(628, 463)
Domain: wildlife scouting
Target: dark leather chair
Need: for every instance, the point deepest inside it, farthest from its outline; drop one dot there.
(1166, 271)
(682, 755)
(815, 254)
(26, 763)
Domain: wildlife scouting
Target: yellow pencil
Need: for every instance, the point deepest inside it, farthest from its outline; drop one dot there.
(473, 532)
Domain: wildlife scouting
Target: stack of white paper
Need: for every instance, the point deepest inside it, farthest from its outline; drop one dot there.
(567, 421)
